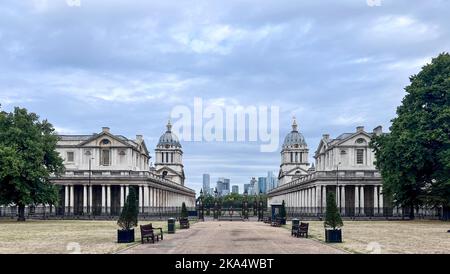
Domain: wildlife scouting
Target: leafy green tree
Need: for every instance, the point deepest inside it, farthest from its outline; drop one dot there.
(184, 212)
(332, 216)
(129, 215)
(414, 159)
(27, 159)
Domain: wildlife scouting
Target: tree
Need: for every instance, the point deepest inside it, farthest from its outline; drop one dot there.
(414, 159)
(27, 160)
(129, 215)
(184, 212)
(332, 216)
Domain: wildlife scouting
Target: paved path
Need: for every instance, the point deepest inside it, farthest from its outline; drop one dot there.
(235, 237)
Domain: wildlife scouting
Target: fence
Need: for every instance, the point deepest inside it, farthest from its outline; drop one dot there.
(45, 212)
(368, 212)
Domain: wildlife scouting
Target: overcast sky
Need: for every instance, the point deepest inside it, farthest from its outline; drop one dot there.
(126, 64)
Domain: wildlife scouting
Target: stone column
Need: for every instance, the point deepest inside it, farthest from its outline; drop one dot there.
(375, 200)
(324, 198)
(85, 202)
(108, 199)
(72, 199)
(146, 199)
(103, 200)
(122, 193)
(357, 209)
(66, 200)
(362, 200)
(343, 199)
(381, 202)
(127, 191)
(90, 200)
(318, 196)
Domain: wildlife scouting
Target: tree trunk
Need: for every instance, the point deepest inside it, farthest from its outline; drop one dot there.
(21, 217)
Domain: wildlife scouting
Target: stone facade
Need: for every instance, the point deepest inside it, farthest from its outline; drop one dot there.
(344, 165)
(100, 169)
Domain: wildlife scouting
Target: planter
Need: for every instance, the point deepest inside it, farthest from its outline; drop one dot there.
(333, 235)
(125, 236)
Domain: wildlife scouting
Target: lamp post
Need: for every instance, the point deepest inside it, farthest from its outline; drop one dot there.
(338, 191)
(255, 205)
(245, 205)
(202, 216)
(88, 202)
(216, 215)
(260, 208)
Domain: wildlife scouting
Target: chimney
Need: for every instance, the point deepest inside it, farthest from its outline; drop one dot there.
(105, 129)
(359, 128)
(378, 131)
(139, 138)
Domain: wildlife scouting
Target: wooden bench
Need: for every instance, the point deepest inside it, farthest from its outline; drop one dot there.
(276, 222)
(148, 232)
(184, 223)
(302, 230)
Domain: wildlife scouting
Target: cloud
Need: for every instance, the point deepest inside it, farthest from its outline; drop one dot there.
(335, 65)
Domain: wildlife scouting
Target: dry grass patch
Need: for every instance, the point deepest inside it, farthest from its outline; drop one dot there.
(54, 236)
(406, 237)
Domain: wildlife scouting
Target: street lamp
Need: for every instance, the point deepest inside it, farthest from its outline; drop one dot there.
(337, 187)
(260, 209)
(88, 202)
(245, 205)
(202, 216)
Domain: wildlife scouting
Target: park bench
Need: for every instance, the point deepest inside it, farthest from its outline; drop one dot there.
(267, 220)
(302, 230)
(276, 222)
(148, 232)
(184, 223)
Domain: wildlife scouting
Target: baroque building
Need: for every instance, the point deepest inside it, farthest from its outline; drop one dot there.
(102, 167)
(344, 165)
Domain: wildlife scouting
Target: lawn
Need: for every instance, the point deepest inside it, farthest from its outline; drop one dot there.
(63, 236)
(405, 237)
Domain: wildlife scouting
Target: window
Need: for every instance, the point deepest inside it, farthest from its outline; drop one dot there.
(105, 142)
(360, 156)
(105, 157)
(70, 156)
(360, 141)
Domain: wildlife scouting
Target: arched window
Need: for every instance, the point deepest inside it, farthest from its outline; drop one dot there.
(164, 174)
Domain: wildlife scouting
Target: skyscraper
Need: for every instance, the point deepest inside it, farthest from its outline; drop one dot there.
(271, 181)
(253, 186)
(262, 185)
(206, 184)
(235, 189)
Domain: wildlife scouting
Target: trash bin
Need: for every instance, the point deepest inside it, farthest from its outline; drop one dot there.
(295, 225)
(171, 226)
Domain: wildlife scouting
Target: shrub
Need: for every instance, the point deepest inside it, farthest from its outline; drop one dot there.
(332, 217)
(129, 215)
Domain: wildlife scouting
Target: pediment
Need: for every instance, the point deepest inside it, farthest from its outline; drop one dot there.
(96, 139)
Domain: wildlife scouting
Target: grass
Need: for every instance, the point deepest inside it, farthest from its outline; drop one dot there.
(387, 237)
(64, 236)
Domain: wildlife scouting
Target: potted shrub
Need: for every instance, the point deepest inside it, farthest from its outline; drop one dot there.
(333, 221)
(128, 219)
(283, 213)
(184, 220)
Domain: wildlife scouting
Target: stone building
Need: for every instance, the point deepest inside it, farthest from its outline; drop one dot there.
(344, 165)
(102, 167)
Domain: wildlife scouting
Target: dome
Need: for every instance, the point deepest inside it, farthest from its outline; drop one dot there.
(294, 138)
(168, 138)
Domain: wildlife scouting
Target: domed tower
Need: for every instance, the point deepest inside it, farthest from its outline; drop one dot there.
(294, 156)
(169, 157)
